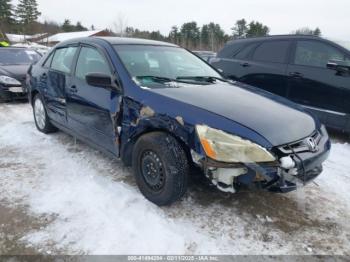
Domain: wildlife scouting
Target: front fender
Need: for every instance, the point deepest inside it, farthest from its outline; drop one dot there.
(139, 119)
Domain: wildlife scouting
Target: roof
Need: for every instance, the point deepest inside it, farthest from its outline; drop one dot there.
(118, 41)
(274, 37)
(134, 41)
(70, 35)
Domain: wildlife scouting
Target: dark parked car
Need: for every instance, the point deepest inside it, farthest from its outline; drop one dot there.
(14, 64)
(308, 70)
(164, 111)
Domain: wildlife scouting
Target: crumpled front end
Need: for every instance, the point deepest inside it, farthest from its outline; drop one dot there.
(295, 164)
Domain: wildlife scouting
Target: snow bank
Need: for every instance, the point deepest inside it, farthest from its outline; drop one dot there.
(87, 207)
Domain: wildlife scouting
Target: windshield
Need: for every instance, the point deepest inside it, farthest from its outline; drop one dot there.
(17, 56)
(149, 64)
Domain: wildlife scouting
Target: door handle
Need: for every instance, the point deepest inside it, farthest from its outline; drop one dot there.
(296, 74)
(245, 64)
(73, 89)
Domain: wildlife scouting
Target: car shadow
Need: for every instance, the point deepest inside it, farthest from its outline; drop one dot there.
(285, 212)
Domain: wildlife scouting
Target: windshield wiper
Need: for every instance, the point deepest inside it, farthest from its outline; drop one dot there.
(210, 79)
(187, 80)
(158, 78)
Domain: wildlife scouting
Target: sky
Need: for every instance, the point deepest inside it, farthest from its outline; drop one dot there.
(282, 16)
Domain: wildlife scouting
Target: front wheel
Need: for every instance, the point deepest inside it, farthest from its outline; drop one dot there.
(160, 167)
(41, 119)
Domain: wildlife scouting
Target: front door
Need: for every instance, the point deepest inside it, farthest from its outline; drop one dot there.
(91, 109)
(319, 89)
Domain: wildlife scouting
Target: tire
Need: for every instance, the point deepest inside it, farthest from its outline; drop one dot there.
(160, 167)
(42, 121)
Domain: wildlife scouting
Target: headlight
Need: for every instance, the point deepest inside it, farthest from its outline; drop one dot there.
(6, 80)
(224, 147)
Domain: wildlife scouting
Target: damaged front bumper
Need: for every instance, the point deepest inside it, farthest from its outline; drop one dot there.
(293, 169)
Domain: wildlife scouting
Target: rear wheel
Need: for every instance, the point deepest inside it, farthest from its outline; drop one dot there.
(160, 167)
(41, 119)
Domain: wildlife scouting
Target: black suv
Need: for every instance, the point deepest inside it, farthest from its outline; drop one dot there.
(309, 70)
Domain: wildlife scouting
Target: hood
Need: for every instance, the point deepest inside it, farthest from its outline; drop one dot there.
(271, 116)
(16, 71)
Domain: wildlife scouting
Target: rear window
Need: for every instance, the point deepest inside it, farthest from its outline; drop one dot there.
(315, 53)
(274, 51)
(63, 59)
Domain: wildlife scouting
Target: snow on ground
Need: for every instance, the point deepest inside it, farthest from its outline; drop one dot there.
(89, 204)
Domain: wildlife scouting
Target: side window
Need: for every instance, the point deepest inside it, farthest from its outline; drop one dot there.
(49, 60)
(230, 50)
(313, 53)
(242, 54)
(272, 51)
(63, 59)
(91, 61)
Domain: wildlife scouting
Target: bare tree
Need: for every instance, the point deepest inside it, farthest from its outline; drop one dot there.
(120, 24)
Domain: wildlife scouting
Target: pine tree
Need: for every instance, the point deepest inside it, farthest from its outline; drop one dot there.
(240, 29)
(6, 15)
(80, 27)
(67, 26)
(257, 29)
(307, 31)
(317, 32)
(27, 11)
(190, 35)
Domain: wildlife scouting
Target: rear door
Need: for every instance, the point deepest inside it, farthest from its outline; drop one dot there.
(55, 79)
(234, 65)
(266, 66)
(312, 84)
(90, 108)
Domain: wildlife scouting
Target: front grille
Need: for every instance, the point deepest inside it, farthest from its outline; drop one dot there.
(302, 145)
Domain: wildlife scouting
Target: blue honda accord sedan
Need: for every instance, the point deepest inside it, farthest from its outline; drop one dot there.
(166, 112)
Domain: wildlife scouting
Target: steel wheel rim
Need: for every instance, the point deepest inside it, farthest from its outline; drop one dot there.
(152, 170)
(39, 113)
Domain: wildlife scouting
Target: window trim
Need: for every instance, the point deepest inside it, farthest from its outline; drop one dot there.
(248, 56)
(294, 50)
(73, 61)
(286, 58)
(52, 53)
(101, 52)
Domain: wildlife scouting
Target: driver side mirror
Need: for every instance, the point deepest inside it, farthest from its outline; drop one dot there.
(339, 66)
(101, 80)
